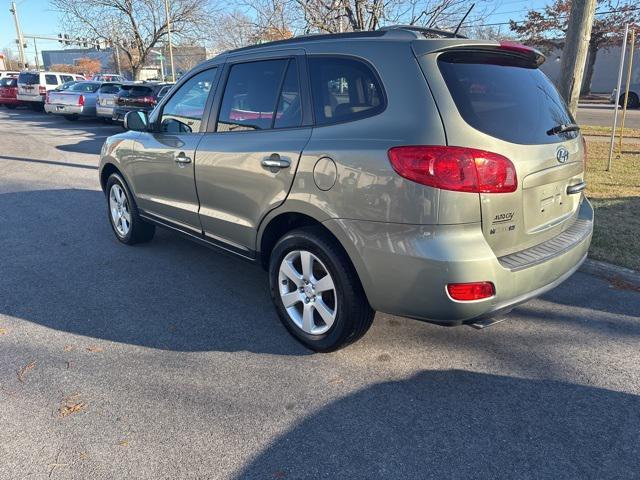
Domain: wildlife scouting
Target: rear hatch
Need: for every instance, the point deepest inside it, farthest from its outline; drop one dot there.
(8, 87)
(495, 98)
(29, 85)
(136, 96)
(107, 94)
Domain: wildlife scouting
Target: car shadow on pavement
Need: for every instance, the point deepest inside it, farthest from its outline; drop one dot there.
(61, 267)
(460, 424)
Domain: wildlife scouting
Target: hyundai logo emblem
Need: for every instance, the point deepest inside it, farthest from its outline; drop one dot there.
(562, 155)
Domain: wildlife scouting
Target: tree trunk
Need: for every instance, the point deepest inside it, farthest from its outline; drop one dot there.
(136, 70)
(588, 74)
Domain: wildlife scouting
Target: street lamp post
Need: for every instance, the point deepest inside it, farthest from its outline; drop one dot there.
(166, 10)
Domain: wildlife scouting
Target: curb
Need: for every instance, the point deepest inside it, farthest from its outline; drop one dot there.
(611, 272)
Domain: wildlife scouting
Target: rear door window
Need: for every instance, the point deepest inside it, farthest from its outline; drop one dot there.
(289, 111)
(66, 78)
(343, 89)
(251, 95)
(504, 98)
(51, 79)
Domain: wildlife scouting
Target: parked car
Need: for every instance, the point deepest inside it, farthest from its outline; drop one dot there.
(109, 77)
(477, 165)
(107, 99)
(138, 96)
(79, 100)
(9, 92)
(634, 96)
(33, 86)
(7, 73)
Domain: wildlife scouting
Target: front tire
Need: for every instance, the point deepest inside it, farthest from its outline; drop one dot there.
(633, 102)
(123, 214)
(317, 292)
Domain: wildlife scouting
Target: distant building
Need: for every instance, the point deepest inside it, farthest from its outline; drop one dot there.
(605, 71)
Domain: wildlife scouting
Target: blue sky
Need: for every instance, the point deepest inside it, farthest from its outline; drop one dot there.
(37, 17)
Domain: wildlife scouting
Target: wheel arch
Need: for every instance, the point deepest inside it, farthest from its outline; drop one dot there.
(281, 221)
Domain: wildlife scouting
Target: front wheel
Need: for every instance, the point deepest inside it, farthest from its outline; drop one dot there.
(317, 292)
(125, 221)
(633, 102)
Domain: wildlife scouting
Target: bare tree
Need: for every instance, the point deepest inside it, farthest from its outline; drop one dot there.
(135, 26)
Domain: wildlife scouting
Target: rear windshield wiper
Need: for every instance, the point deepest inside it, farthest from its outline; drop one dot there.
(569, 127)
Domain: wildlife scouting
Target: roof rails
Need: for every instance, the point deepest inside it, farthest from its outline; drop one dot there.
(313, 37)
(427, 32)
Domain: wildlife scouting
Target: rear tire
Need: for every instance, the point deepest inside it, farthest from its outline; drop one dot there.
(326, 305)
(11, 107)
(633, 102)
(123, 214)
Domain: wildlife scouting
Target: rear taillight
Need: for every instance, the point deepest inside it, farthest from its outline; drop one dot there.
(42, 90)
(81, 100)
(149, 100)
(466, 292)
(455, 168)
(46, 98)
(584, 153)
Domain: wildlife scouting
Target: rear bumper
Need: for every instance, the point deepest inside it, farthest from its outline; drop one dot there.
(31, 98)
(9, 101)
(405, 268)
(105, 112)
(64, 109)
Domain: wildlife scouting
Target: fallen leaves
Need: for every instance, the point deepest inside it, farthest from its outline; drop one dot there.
(24, 370)
(124, 443)
(71, 405)
(95, 349)
(69, 348)
(68, 408)
(3, 331)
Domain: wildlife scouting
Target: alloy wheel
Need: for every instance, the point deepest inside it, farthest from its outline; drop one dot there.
(308, 292)
(119, 207)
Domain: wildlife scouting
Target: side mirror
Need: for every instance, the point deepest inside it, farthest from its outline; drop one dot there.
(137, 121)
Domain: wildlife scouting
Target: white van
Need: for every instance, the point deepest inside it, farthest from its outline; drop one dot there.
(33, 86)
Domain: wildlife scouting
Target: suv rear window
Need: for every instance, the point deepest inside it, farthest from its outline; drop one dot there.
(110, 88)
(504, 98)
(27, 78)
(88, 87)
(135, 91)
(344, 89)
(8, 82)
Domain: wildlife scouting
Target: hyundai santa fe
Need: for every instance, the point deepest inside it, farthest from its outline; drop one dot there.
(405, 170)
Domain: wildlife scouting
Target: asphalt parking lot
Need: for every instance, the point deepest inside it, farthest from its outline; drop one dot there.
(167, 361)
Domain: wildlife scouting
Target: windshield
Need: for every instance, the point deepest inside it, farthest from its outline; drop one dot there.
(88, 87)
(29, 78)
(504, 98)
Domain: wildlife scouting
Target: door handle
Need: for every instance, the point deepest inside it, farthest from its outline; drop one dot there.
(577, 188)
(274, 161)
(182, 159)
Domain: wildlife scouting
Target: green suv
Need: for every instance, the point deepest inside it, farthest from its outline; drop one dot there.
(404, 170)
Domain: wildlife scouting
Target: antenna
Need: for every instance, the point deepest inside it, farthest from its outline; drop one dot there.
(464, 18)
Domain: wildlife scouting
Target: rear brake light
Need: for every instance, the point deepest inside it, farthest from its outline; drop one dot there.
(455, 168)
(149, 100)
(81, 100)
(42, 90)
(465, 292)
(515, 47)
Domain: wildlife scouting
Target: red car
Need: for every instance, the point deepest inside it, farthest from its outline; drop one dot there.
(9, 92)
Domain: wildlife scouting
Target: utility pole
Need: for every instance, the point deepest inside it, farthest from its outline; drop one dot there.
(575, 51)
(14, 11)
(173, 70)
(35, 47)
